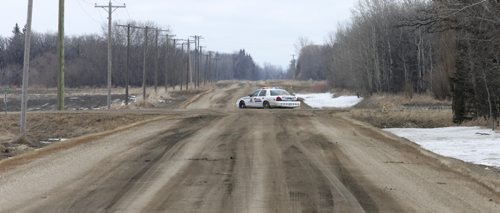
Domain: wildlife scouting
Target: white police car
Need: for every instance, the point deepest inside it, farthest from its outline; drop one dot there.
(269, 98)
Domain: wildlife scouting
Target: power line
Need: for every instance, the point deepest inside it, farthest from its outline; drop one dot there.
(128, 14)
(86, 12)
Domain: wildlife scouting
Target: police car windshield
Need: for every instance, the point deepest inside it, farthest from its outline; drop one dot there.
(279, 92)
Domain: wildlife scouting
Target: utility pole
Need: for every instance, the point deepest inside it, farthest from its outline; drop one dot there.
(207, 65)
(144, 64)
(110, 9)
(188, 80)
(197, 58)
(189, 77)
(179, 69)
(128, 26)
(167, 58)
(26, 67)
(182, 56)
(157, 58)
(216, 68)
(146, 29)
(175, 63)
(127, 80)
(196, 54)
(60, 76)
(199, 66)
(210, 66)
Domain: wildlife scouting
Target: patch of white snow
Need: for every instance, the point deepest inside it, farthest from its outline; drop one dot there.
(470, 144)
(326, 100)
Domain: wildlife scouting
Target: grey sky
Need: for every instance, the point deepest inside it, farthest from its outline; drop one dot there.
(267, 29)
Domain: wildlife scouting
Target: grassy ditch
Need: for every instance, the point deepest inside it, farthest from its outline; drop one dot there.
(404, 118)
(398, 111)
(47, 128)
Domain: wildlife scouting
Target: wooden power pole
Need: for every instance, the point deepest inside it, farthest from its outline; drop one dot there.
(212, 77)
(216, 70)
(181, 68)
(26, 67)
(127, 80)
(197, 59)
(110, 8)
(146, 30)
(157, 59)
(60, 76)
(128, 26)
(188, 65)
(189, 79)
(200, 57)
(167, 58)
(144, 64)
(157, 56)
(207, 65)
(178, 66)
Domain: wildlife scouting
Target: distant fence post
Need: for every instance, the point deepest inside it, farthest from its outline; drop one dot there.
(6, 90)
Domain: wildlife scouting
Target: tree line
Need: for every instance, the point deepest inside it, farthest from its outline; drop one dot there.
(448, 48)
(86, 60)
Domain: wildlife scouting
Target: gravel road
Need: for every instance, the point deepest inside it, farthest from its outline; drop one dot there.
(212, 157)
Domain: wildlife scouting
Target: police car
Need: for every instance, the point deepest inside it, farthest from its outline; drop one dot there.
(269, 98)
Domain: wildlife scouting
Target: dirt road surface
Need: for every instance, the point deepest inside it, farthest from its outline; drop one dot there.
(212, 157)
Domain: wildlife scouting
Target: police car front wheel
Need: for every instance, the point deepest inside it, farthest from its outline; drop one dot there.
(242, 105)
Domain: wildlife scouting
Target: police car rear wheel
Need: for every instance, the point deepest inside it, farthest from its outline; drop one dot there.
(267, 105)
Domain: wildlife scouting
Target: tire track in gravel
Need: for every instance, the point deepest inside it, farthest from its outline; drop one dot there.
(397, 176)
(115, 177)
(319, 188)
(206, 184)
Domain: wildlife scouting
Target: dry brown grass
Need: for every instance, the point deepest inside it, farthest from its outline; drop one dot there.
(29, 156)
(483, 122)
(399, 111)
(392, 101)
(42, 126)
(404, 118)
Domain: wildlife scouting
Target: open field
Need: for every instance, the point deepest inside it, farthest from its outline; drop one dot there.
(207, 156)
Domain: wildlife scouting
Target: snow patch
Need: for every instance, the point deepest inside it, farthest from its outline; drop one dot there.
(470, 144)
(326, 100)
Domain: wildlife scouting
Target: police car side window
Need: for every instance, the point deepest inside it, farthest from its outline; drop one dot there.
(263, 93)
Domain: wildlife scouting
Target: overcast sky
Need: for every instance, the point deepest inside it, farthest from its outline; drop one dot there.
(267, 29)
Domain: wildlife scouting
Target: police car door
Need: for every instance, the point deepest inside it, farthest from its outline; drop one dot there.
(262, 97)
(251, 102)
